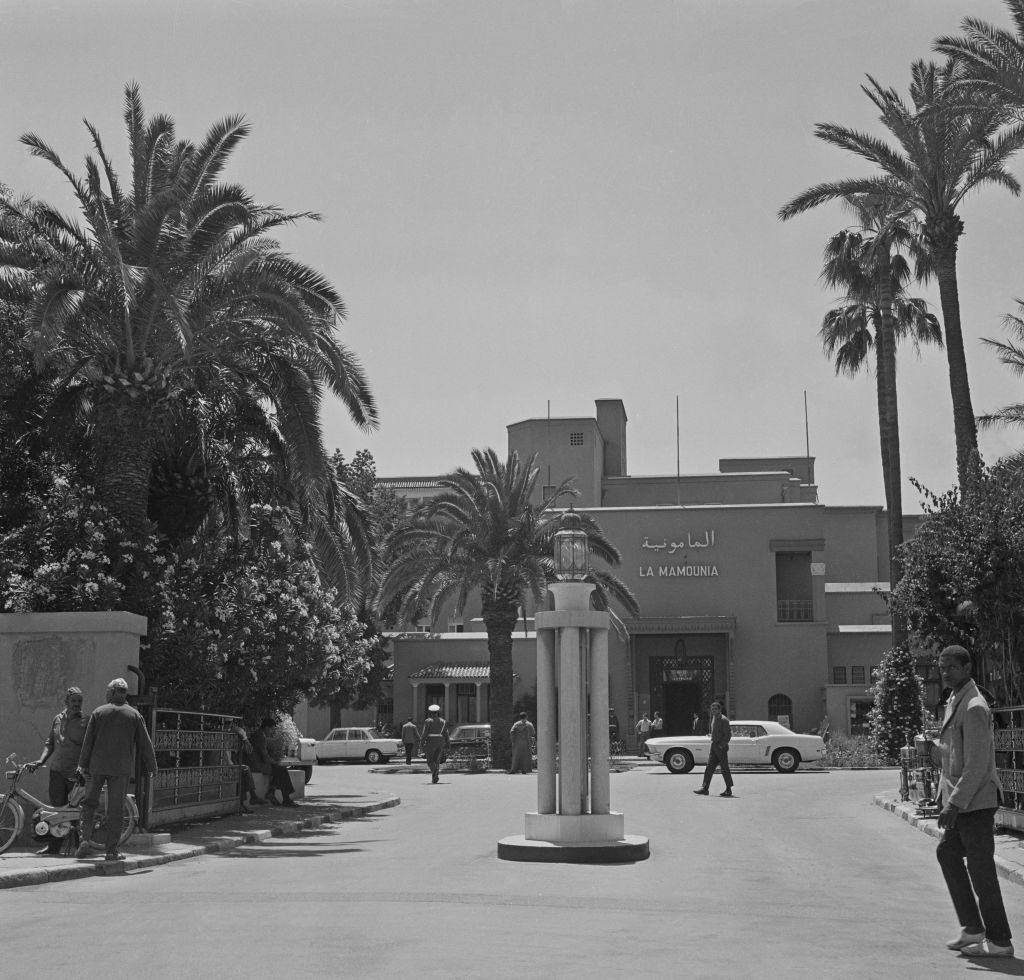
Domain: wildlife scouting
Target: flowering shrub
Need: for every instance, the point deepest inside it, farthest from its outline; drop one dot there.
(70, 556)
(248, 628)
(899, 702)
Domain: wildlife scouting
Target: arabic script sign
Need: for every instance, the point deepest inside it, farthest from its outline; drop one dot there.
(690, 541)
(688, 569)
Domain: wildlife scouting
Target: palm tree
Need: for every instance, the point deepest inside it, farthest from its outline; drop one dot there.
(877, 313)
(1011, 353)
(173, 294)
(946, 149)
(990, 60)
(482, 535)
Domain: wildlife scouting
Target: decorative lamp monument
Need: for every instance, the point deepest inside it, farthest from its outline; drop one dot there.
(574, 822)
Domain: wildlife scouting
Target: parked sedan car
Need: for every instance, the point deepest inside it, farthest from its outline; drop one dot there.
(471, 736)
(357, 743)
(301, 755)
(754, 743)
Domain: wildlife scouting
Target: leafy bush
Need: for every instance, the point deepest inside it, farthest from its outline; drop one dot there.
(851, 752)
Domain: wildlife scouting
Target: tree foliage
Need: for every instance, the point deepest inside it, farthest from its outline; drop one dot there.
(964, 577)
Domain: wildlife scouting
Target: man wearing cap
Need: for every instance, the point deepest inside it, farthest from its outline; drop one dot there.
(114, 732)
(435, 738)
(61, 751)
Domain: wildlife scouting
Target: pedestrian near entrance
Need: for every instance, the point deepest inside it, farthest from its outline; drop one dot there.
(657, 725)
(720, 731)
(643, 731)
(410, 736)
(970, 793)
(114, 734)
(435, 739)
(523, 734)
(61, 751)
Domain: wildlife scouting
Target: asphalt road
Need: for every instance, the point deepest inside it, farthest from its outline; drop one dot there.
(796, 876)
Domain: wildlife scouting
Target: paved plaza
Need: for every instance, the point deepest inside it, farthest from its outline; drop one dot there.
(797, 876)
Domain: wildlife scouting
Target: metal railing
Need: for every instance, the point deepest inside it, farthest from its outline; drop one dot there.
(197, 775)
(795, 610)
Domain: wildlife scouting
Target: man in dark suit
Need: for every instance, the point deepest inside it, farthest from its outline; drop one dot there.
(720, 732)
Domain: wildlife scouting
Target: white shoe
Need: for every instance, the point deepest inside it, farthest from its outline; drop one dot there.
(987, 948)
(966, 939)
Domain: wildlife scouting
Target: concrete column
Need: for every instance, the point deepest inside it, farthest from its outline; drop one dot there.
(600, 781)
(546, 798)
(571, 781)
(448, 699)
(479, 702)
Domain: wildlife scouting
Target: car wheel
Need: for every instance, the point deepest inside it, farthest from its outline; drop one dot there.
(678, 760)
(786, 760)
(374, 756)
(308, 770)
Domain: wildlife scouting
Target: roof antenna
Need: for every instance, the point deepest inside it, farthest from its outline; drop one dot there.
(678, 499)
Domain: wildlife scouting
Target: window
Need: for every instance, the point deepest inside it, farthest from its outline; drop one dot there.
(780, 705)
(793, 586)
(434, 694)
(838, 675)
(575, 438)
(465, 702)
(857, 675)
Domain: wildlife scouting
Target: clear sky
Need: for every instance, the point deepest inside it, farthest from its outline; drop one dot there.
(533, 202)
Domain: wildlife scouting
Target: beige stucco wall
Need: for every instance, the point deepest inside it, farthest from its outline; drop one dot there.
(43, 654)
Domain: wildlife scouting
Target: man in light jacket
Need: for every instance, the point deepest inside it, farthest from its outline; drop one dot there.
(970, 793)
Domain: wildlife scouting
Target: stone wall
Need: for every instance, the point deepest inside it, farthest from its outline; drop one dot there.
(42, 655)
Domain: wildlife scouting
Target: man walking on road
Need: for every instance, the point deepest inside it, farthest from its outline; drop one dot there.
(435, 740)
(970, 792)
(410, 736)
(62, 749)
(115, 731)
(720, 732)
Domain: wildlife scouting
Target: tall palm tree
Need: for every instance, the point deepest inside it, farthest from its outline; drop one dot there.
(1011, 353)
(877, 313)
(990, 59)
(171, 293)
(482, 536)
(945, 150)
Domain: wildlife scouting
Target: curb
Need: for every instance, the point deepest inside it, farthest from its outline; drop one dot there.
(182, 852)
(927, 825)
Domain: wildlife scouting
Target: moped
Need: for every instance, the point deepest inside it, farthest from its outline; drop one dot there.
(59, 822)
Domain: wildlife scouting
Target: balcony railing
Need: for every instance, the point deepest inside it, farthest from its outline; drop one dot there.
(796, 610)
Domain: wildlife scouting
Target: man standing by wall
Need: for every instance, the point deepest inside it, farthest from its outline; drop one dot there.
(970, 792)
(115, 731)
(62, 750)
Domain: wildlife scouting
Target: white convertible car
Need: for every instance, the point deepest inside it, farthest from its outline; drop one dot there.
(754, 743)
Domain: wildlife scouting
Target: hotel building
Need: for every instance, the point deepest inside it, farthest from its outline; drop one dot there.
(751, 592)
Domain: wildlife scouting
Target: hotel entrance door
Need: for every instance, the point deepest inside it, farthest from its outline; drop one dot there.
(680, 688)
(682, 702)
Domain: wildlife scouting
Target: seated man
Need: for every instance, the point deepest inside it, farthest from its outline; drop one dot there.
(261, 762)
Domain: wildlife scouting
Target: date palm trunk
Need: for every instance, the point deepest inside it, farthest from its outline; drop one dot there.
(500, 615)
(964, 426)
(123, 447)
(892, 471)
